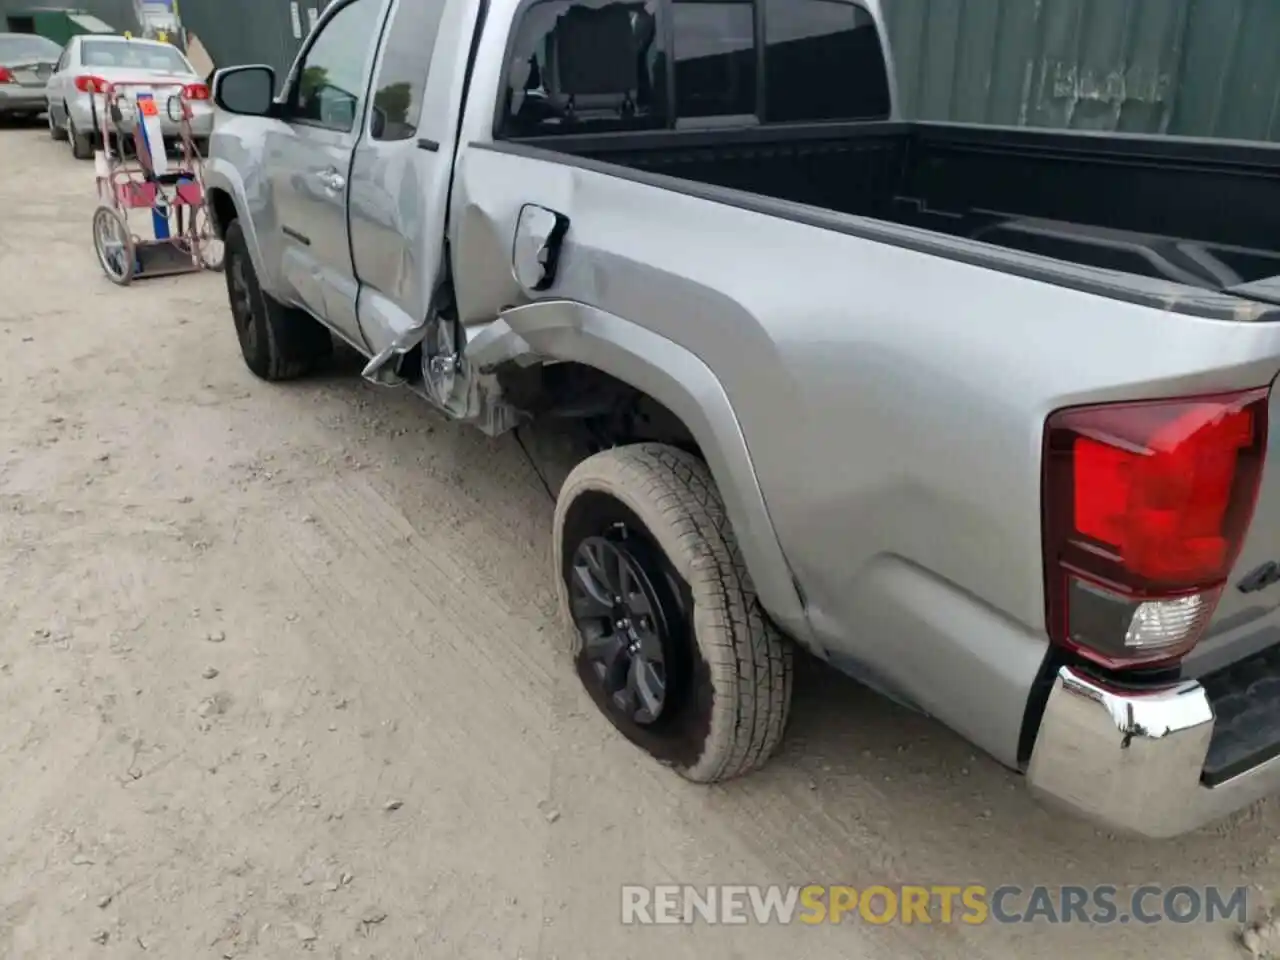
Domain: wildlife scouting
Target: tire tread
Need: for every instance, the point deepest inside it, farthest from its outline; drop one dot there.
(750, 661)
(295, 341)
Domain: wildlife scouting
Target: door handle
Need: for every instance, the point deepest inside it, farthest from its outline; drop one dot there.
(332, 180)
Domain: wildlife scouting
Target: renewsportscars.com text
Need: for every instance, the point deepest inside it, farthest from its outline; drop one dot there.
(937, 903)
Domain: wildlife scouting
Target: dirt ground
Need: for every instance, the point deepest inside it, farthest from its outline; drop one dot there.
(281, 676)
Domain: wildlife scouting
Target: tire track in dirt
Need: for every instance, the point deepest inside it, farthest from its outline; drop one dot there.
(467, 752)
(423, 582)
(401, 654)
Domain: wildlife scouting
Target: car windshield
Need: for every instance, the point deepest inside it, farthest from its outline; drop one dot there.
(133, 56)
(13, 49)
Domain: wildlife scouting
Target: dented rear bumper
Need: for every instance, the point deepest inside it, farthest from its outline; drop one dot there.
(1134, 761)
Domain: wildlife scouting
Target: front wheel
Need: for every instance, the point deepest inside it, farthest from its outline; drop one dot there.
(114, 245)
(669, 638)
(277, 342)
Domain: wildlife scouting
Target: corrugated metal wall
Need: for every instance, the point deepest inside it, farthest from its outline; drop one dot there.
(117, 13)
(1194, 67)
(250, 31)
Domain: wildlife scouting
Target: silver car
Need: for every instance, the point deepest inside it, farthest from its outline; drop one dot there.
(26, 63)
(75, 92)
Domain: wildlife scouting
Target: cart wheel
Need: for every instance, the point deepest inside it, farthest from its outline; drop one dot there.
(210, 246)
(114, 244)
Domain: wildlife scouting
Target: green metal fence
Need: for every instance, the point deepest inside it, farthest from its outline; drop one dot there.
(117, 13)
(250, 31)
(1193, 67)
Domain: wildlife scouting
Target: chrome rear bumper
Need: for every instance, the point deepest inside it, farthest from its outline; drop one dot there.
(1132, 761)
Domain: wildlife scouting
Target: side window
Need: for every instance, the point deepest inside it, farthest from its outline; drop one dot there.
(715, 53)
(331, 78)
(823, 61)
(583, 66)
(402, 74)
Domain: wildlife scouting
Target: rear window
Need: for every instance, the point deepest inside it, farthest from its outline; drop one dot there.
(13, 49)
(584, 66)
(823, 61)
(715, 54)
(136, 56)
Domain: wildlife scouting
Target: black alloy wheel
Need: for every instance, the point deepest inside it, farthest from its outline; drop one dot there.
(240, 294)
(623, 622)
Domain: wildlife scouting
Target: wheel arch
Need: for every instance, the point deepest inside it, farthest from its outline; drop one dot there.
(227, 201)
(568, 330)
(222, 208)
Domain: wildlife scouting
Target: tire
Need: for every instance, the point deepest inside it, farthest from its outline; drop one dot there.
(56, 131)
(81, 143)
(726, 670)
(277, 342)
(114, 246)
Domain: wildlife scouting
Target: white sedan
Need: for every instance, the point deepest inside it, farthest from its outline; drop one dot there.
(91, 63)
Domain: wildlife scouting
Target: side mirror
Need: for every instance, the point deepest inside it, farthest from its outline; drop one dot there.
(248, 91)
(378, 123)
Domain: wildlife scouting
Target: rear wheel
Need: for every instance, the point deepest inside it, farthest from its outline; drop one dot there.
(669, 638)
(56, 130)
(277, 342)
(81, 143)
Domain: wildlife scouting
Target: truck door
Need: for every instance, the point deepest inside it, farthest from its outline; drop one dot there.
(310, 159)
(403, 164)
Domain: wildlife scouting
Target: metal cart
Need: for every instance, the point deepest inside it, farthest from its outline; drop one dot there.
(136, 170)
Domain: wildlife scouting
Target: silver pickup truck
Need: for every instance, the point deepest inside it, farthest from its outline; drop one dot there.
(977, 415)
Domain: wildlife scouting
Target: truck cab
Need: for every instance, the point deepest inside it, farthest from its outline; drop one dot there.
(358, 183)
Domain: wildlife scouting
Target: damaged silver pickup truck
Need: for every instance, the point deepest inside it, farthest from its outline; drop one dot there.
(978, 415)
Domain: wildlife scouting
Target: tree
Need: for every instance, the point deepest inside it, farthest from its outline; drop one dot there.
(394, 101)
(312, 80)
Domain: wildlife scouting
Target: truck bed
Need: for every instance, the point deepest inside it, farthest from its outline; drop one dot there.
(1198, 213)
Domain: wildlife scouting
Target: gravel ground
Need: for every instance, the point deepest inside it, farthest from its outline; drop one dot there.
(281, 676)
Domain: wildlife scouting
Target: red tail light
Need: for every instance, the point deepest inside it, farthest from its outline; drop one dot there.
(90, 84)
(1146, 506)
(6, 75)
(196, 91)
